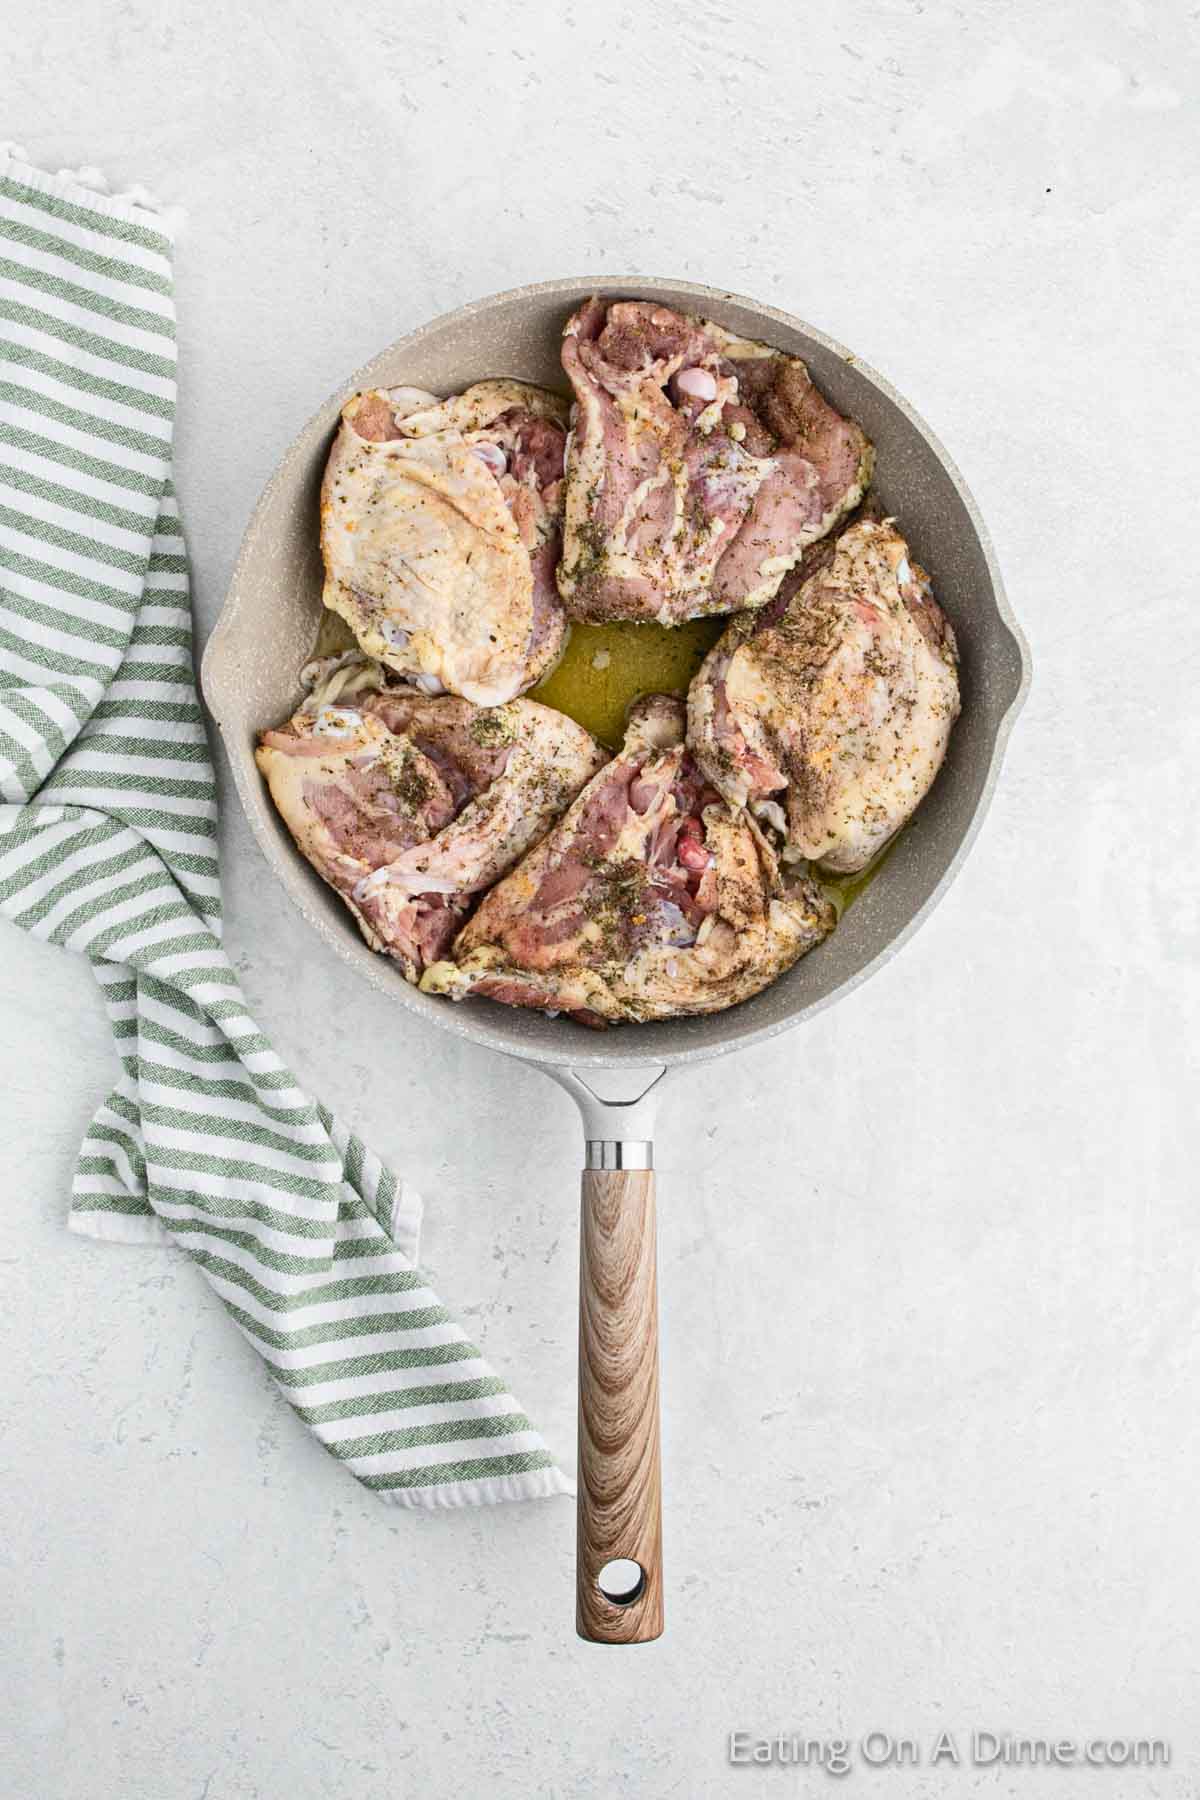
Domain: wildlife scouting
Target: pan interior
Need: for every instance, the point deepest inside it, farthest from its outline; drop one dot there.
(272, 612)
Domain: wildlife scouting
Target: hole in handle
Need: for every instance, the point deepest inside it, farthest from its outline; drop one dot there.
(622, 1581)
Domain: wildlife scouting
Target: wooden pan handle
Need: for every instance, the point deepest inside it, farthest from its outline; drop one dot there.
(619, 1509)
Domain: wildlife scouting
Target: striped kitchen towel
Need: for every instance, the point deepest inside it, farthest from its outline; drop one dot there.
(108, 846)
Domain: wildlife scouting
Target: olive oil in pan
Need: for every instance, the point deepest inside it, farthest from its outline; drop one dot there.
(605, 668)
(600, 674)
(844, 890)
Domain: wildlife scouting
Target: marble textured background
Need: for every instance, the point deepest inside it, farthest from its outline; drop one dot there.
(928, 1267)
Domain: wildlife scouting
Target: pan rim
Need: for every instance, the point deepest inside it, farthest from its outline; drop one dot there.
(471, 1026)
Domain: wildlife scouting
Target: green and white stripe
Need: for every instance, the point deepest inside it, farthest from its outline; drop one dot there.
(108, 815)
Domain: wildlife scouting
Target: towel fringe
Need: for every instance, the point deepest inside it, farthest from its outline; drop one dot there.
(91, 187)
(491, 1490)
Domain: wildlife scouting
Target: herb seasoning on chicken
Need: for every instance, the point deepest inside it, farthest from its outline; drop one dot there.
(651, 898)
(440, 534)
(410, 807)
(829, 712)
(700, 465)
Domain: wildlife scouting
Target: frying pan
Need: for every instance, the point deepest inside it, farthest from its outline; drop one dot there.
(617, 1078)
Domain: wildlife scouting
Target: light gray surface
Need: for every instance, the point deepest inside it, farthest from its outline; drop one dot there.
(928, 1265)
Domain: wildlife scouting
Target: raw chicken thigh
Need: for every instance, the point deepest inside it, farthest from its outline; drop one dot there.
(411, 806)
(829, 712)
(700, 465)
(650, 899)
(440, 534)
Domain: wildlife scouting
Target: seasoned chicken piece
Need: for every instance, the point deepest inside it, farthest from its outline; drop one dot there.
(411, 806)
(699, 466)
(829, 712)
(440, 533)
(650, 899)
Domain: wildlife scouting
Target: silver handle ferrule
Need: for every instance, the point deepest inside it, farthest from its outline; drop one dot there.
(618, 1153)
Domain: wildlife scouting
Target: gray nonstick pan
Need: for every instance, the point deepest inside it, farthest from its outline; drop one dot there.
(249, 675)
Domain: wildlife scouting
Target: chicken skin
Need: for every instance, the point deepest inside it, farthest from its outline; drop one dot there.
(829, 712)
(411, 806)
(440, 531)
(700, 464)
(652, 898)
